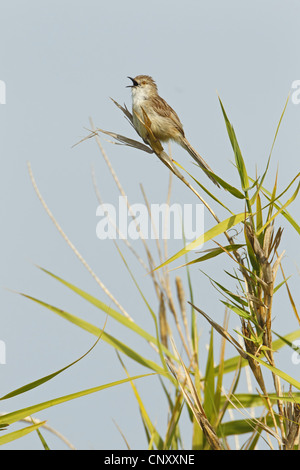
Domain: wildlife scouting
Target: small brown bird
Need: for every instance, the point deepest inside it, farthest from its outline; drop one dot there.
(165, 124)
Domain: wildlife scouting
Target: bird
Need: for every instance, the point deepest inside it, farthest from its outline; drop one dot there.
(165, 123)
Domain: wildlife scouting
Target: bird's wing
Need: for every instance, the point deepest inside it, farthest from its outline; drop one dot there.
(163, 109)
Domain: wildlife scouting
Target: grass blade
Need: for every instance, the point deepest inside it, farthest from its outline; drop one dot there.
(230, 364)
(106, 337)
(146, 419)
(288, 202)
(209, 383)
(14, 416)
(109, 311)
(41, 381)
(237, 151)
(213, 253)
(269, 159)
(12, 436)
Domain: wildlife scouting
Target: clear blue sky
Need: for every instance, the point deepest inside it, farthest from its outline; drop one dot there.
(61, 60)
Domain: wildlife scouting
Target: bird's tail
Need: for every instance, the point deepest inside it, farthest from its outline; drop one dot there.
(202, 163)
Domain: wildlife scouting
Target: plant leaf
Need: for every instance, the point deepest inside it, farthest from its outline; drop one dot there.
(106, 337)
(41, 381)
(12, 436)
(110, 311)
(14, 416)
(237, 151)
(213, 253)
(231, 363)
(288, 202)
(209, 383)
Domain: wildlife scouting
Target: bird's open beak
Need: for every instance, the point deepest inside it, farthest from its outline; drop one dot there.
(134, 83)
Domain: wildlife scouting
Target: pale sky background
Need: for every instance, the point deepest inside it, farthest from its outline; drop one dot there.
(61, 60)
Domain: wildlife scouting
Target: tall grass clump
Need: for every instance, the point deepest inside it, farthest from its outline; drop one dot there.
(208, 389)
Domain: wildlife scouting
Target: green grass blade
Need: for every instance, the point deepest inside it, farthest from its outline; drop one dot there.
(237, 151)
(205, 237)
(151, 430)
(209, 382)
(102, 306)
(105, 308)
(106, 337)
(110, 311)
(281, 284)
(14, 416)
(173, 433)
(259, 219)
(288, 202)
(161, 355)
(230, 364)
(238, 311)
(214, 252)
(12, 436)
(227, 292)
(279, 205)
(241, 426)
(285, 341)
(252, 400)
(42, 439)
(41, 381)
(288, 217)
(231, 189)
(269, 159)
(290, 380)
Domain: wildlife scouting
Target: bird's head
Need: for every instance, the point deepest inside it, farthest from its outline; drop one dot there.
(143, 84)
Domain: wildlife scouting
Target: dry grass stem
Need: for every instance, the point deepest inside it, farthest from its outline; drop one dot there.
(191, 396)
(292, 415)
(122, 237)
(73, 248)
(31, 420)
